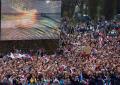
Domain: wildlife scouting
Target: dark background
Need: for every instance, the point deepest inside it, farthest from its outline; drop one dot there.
(107, 8)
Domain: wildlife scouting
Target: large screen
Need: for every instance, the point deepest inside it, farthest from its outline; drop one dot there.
(30, 19)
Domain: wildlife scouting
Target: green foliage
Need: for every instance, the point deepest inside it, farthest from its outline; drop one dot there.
(96, 8)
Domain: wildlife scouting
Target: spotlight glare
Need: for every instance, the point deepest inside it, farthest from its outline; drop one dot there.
(48, 1)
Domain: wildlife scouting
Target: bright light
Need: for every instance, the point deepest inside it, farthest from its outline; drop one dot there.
(84, 15)
(27, 19)
(48, 1)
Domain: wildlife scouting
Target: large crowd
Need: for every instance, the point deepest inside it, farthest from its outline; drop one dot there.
(89, 54)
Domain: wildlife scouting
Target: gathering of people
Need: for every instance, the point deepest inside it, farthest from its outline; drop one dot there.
(88, 54)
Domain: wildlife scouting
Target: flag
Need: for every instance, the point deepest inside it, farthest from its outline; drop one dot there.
(12, 56)
(100, 41)
(81, 77)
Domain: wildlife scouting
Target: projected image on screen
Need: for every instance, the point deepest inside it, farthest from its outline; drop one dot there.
(30, 19)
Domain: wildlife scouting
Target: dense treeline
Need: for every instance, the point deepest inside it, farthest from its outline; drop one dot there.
(96, 8)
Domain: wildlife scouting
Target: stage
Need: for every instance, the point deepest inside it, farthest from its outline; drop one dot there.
(50, 45)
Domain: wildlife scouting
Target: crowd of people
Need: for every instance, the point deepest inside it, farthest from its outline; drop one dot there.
(89, 54)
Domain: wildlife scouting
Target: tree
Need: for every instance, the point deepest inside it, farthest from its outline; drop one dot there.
(109, 8)
(92, 8)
